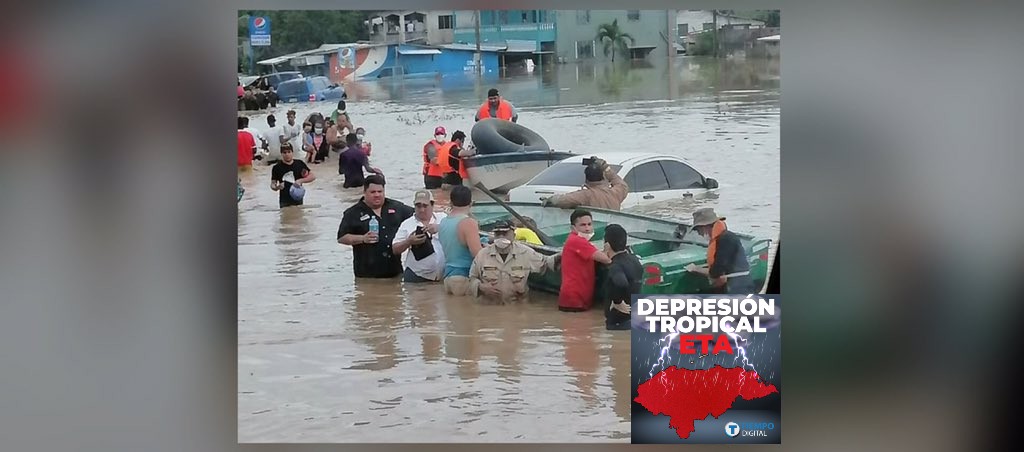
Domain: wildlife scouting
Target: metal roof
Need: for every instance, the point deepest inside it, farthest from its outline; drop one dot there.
(520, 46)
(419, 51)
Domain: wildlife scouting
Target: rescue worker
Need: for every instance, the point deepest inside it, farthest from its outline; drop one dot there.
(455, 172)
(496, 107)
(727, 261)
(433, 164)
(500, 270)
(625, 278)
(597, 192)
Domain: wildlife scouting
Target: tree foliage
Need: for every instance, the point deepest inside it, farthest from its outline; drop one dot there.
(614, 39)
(294, 31)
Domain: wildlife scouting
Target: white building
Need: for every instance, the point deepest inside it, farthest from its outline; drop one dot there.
(695, 20)
(412, 26)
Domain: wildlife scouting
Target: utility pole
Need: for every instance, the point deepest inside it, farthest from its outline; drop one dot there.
(476, 13)
(714, 17)
(672, 32)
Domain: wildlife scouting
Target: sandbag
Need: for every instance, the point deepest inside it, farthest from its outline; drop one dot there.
(498, 136)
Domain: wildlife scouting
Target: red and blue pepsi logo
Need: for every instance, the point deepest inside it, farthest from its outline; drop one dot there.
(259, 22)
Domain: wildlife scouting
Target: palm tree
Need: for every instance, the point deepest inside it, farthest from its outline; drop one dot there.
(613, 39)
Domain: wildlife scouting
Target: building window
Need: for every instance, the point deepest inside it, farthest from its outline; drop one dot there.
(633, 14)
(445, 22)
(584, 49)
(503, 17)
(583, 17)
(683, 29)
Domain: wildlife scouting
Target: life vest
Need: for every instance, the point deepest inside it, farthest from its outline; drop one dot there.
(430, 169)
(443, 154)
(462, 169)
(504, 110)
(716, 230)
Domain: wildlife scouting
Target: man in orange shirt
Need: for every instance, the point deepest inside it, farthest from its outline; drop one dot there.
(496, 107)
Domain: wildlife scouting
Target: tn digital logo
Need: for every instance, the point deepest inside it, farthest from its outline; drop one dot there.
(732, 429)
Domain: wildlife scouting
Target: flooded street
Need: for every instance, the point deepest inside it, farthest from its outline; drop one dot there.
(325, 358)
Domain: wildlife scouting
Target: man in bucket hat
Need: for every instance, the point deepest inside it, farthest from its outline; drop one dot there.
(727, 261)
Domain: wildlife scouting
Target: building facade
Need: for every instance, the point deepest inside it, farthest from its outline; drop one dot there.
(412, 27)
(696, 20)
(577, 33)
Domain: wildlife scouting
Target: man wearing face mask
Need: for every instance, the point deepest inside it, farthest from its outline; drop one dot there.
(500, 270)
(434, 153)
(727, 267)
(578, 258)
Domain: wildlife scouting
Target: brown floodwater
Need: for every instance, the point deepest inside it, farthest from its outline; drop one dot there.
(323, 357)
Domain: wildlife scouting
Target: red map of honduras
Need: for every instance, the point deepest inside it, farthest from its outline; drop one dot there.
(687, 396)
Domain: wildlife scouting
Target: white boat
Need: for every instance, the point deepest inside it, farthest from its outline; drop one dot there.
(503, 172)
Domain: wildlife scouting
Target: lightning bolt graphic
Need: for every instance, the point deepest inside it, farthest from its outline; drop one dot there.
(667, 340)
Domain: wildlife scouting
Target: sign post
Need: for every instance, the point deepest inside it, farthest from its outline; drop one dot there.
(259, 31)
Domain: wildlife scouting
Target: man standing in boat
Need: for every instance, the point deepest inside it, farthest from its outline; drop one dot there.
(727, 266)
(496, 107)
(604, 189)
(578, 258)
(500, 270)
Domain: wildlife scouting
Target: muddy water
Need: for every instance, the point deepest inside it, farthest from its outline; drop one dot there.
(326, 358)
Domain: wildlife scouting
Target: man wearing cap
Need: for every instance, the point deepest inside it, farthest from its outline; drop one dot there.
(417, 238)
(496, 107)
(625, 278)
(500, 270)
(288, 176)
(727, 261)
(433, 166)
(604, 189)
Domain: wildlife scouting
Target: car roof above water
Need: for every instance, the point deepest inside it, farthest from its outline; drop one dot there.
(617, 157)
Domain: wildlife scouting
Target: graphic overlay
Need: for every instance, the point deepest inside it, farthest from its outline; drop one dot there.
(706, 369)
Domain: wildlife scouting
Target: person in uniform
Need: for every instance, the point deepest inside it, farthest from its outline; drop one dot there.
(500, 270)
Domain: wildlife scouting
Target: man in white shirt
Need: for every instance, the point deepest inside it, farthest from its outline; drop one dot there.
(273, 139)
(293, 131)
(417, 238)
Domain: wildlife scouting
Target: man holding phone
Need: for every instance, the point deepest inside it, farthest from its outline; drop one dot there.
(417, 238)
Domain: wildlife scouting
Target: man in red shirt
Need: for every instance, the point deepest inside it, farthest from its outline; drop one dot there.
(246, 145)
(578, 257)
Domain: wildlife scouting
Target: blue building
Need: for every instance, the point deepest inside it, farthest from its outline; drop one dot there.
(524, 34)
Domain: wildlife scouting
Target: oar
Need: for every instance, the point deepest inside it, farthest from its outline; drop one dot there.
(541, 235)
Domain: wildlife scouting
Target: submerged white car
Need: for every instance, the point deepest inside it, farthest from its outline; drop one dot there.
(651, 178)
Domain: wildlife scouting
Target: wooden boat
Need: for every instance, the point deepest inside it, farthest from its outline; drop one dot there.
(665, 247)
